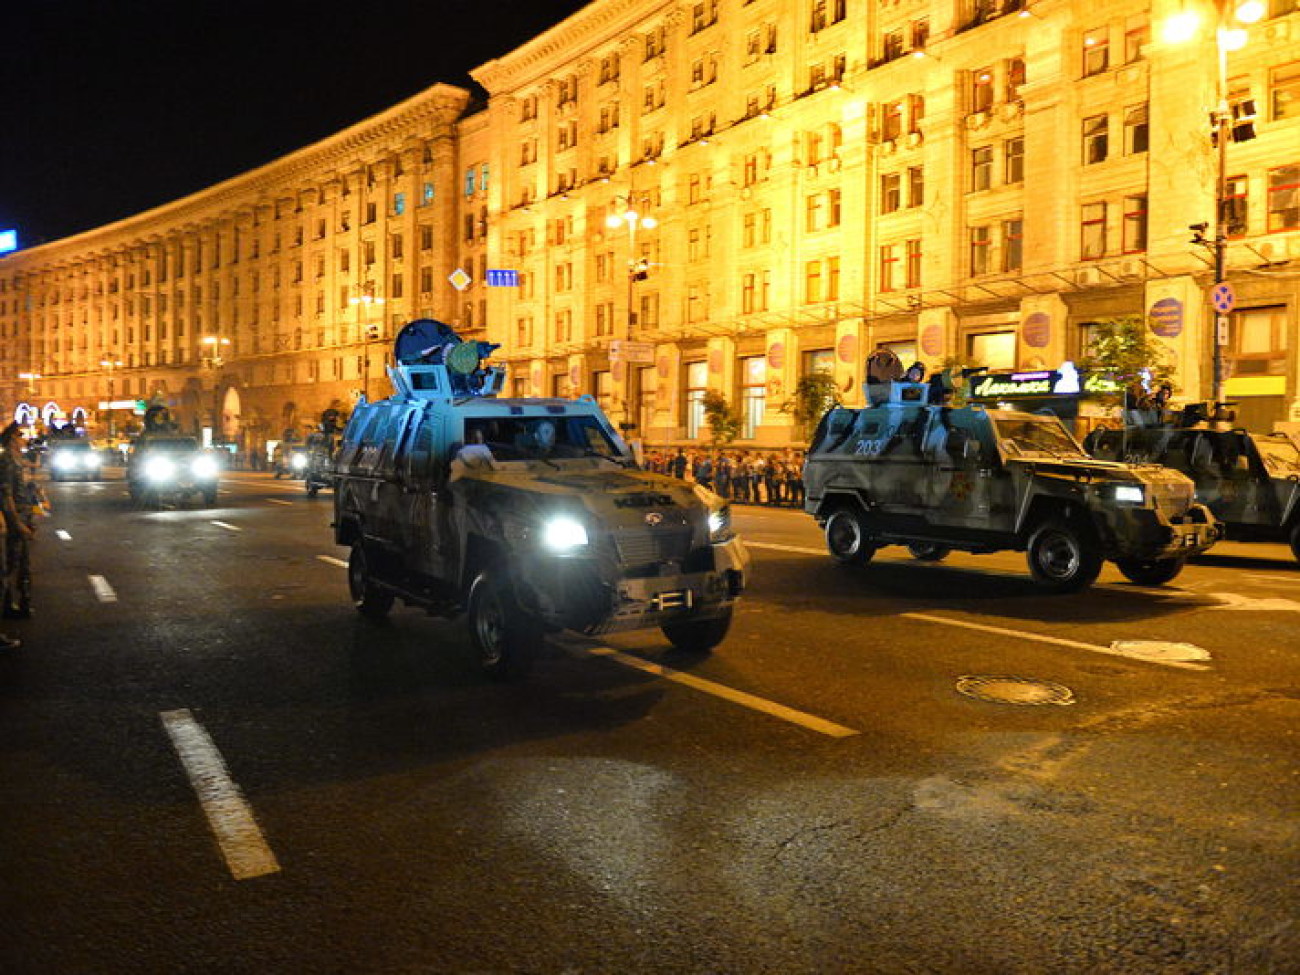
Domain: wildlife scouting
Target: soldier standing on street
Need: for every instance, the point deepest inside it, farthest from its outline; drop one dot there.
(13, 497)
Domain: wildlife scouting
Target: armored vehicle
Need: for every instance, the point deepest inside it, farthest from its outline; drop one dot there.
(529, 515)
(1250, 481)
(164, 463)
(321, 446)
(937, 478)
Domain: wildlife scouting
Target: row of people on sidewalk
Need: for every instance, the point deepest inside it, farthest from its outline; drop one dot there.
(21, 502)
(748, 476)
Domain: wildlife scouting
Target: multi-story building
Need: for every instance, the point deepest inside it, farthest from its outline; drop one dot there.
(729, 194)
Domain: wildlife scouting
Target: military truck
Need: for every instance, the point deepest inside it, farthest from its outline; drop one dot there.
(1250, 481)
(164, 463)
(937, 478)
(321, 445)
(528, 515)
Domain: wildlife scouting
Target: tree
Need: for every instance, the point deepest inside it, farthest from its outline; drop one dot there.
(815, 394)
(723, 420)
(1124, 349)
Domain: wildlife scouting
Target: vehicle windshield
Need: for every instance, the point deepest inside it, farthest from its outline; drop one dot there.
(1281, 457)
(1022, 434)
(75, 445)
(174, 444)
(542, 437)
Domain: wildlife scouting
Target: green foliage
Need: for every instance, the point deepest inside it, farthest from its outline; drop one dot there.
(723, 420)
(814, 395)
(1124, 349)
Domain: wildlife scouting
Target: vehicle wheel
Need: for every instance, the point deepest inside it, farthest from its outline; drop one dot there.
(929, 551)
(507, 641)
(312, 489)
(698, 636)
(1062, 558)
(1150, 572)
(847, 538)
(370, 601)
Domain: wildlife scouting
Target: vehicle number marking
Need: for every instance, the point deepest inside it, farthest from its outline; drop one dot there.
(229, 815)
(62, 535)
(227, 526)
(103, 591)
(331, 560)
(802, 718)
(869, 448)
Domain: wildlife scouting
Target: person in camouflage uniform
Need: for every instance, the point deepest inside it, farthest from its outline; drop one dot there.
(17, 500)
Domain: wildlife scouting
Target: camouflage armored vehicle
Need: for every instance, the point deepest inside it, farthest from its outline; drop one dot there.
(164, 463)
(529, 515)
(1250, 481)
(938, 478)
(321, 446)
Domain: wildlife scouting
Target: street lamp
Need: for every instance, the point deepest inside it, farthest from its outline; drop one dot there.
(109, 365)
(1225, 126)
(369, 333)
(213, 347)
(638, 269)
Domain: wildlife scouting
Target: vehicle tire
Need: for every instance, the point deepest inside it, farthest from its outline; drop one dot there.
(698, 636)
(370, 601)
(506, 639)
(847, 538)
(1150, 572)
(312, 489)
(1062, 557)
(929, 551)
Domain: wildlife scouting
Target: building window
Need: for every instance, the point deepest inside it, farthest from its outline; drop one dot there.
(994, 350)
(471, 175)
(1013, 232)
(399, 203)
(1096, 51)
(981, 95)
(1234, 206)
(1013, 156)
(891, 192)
(753, 394)
(1257, 342)
(1284, 91)
(1136, 130)
(1136, 37)
(833, 208)
(1093, 236)
(891, 121)
(1135, 224)
(981, 168)
(1095, 139)
(697, 384)
(913, 268)
(981, 245)
(1015, 78)
(888, 267)
(812, 282)
(1284, 198)
(915, 186)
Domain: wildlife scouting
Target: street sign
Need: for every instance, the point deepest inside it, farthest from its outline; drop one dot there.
(1223, 298)
(500, 278)
(459, 279)
(1221, 330)
(637, 353)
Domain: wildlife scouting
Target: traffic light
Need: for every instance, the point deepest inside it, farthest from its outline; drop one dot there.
(1243, 120)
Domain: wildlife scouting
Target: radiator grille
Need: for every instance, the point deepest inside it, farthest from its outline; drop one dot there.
(646, 546)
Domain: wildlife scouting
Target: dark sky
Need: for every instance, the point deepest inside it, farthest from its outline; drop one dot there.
(110, 108)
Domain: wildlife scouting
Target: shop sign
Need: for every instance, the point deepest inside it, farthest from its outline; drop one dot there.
(1066, 381)
(1037, 332)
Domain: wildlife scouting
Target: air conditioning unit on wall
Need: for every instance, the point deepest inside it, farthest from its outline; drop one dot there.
(1086, 277)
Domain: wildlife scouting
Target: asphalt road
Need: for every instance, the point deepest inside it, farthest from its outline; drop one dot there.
(211, 764)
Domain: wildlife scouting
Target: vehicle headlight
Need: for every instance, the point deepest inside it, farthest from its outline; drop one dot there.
(563, 534)
(159, 469)
(1129, 493)
(63, 462)
(720, 524)
(298, 462)
(204, 467)
(91, 461)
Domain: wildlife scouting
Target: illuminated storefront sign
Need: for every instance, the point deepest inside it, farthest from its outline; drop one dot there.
(1066, 381)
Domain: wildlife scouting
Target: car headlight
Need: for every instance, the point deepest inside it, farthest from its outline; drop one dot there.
(63, 462)
(159, 469)
(563, 534)
(204, 467)
(1129, 493)
(91, 461)
(297, 462)
(720, 524)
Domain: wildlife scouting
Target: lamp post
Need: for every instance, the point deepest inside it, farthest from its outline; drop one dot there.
(109, 365)
(638, 269)
(1229, 35)
(213, 347)
(369, 333)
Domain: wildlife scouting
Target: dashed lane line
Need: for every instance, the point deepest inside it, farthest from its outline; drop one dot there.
(331, 560)
(279, 501)
(229, 815)
(103, 591)
(227, 526)
(62, 535)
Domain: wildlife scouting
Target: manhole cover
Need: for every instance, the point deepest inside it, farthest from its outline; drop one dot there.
(1014, 690)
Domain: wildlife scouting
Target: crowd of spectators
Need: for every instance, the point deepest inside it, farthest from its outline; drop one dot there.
(746, 476)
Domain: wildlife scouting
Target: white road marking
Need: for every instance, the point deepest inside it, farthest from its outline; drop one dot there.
(227, 526)
(1284, 580)
(103, 591)
(1115, 650)
(332, 561)
(1232, 600)
(278, 501)
(810, 721)
(802, 550)
(62, 535)
(229, 815)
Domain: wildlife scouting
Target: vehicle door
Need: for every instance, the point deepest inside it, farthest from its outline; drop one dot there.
(967, 479)
(423, 474)
(1277, 462)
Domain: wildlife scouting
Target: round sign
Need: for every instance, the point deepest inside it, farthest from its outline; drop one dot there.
(1223, 297)
(665, 367)
(1037, 331)
(1166, 318)
(932, 340)
(715, 360)
(776, 355)
(847, 348)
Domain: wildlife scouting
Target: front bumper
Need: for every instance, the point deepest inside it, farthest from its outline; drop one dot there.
(1147, 536)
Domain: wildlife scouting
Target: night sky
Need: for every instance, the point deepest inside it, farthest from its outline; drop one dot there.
(110, 108)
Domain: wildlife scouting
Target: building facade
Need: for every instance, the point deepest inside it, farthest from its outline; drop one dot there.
(724, 195)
